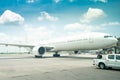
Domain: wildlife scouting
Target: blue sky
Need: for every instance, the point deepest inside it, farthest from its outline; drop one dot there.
(34, 20)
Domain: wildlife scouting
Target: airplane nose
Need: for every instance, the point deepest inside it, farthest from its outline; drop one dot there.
(115, 41)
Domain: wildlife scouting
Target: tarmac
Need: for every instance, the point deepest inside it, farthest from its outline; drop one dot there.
(26, 67)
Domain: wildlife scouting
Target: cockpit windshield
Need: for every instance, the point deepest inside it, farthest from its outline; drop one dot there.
(108, 36)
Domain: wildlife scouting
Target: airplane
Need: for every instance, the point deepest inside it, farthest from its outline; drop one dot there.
(84, 41)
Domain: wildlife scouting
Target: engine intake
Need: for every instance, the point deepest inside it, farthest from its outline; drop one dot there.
(76, 52)
(41, 50)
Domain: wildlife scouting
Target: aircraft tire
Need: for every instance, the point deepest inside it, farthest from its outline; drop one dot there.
(36, 56)
(56, 55)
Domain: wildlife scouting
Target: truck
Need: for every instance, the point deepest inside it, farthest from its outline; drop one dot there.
(107, 61)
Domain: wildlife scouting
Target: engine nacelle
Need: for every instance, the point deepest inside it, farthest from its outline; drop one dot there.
(39, 51)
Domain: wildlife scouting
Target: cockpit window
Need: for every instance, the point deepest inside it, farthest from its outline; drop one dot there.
(108, 36)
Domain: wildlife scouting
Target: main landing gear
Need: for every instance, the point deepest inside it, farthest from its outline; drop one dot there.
(56, 54)
(36, 56)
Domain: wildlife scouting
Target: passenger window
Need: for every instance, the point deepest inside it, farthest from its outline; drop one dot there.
(111, 57)
(117, 57)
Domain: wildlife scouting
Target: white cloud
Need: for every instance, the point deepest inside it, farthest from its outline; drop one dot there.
(31, 35)
(3, 37)
(71, 0)
(111, 24)
(47, 16)
(11, 17)
(6, 38)
(10, 38)
(57, 1)
(37, 34)
(74, 26)
(92, 14)
(82, 27)
(104, 1)
(30, 1)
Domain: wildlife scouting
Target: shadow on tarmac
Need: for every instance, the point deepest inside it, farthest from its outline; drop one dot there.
(110, 69)
(32, 57)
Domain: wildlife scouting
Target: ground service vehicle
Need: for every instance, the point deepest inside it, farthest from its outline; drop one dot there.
(108, 61)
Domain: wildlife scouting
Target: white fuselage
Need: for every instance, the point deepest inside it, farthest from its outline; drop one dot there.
(88, 41)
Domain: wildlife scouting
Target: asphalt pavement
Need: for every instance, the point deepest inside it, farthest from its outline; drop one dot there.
(26, 67)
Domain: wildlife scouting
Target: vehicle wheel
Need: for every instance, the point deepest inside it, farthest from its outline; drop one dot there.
(102, 66)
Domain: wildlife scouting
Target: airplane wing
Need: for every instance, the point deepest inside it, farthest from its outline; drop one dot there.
(18, 45)
(27, 46)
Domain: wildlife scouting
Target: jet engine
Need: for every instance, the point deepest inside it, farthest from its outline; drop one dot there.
(39, 51)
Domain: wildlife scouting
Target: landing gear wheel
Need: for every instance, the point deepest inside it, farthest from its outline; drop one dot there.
(36, 56)
(102, 66)
(56, 55)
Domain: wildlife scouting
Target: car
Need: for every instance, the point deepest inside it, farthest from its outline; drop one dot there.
(108, 61)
